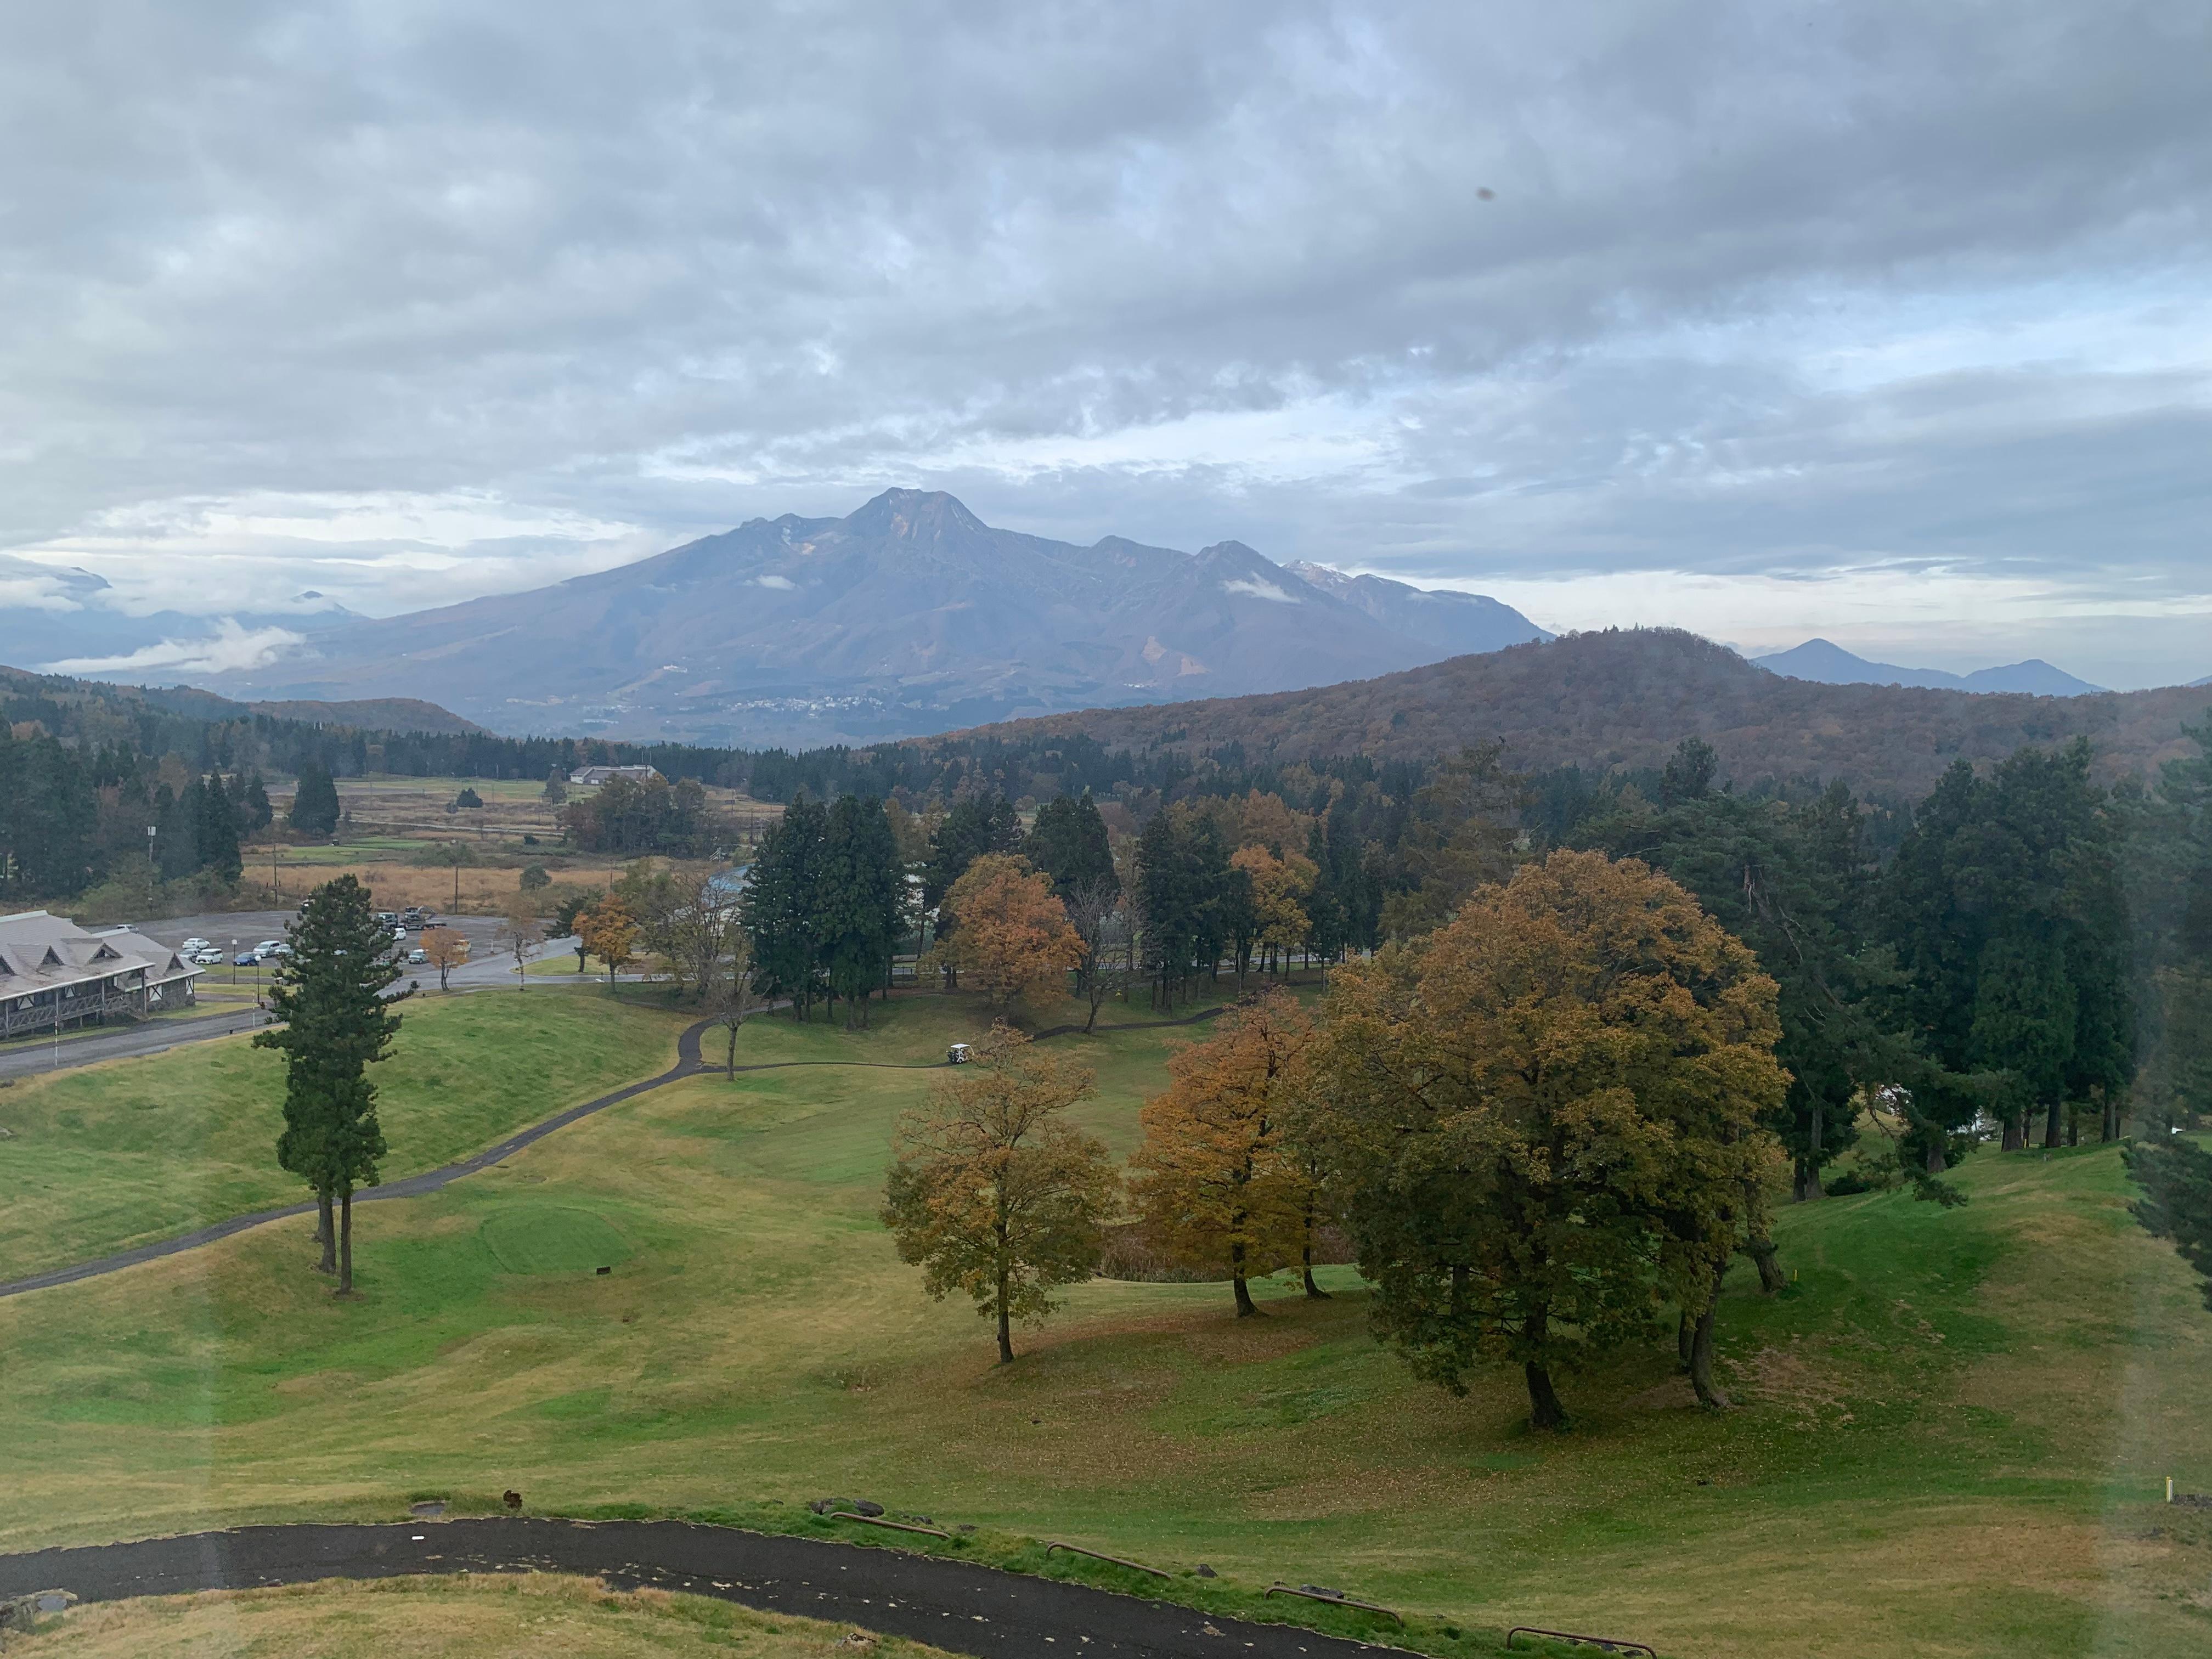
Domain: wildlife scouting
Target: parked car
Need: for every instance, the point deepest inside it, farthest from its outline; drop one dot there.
(209, 957)
(399, 932)
(246, 959)
(418, 954)
(387, 918)
(196, 944)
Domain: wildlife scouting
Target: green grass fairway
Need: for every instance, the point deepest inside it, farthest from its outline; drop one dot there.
(1951, 1433)
(112, 1155)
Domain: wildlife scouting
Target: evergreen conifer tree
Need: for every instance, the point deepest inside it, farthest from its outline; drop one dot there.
(218, 832)
(336, 1023)
(315, 807)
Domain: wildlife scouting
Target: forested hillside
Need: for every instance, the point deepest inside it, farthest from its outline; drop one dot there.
(1623, 699)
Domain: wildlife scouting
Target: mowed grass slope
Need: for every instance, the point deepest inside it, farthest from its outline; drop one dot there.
(541, 1616)
(102, 1157)
(1951, 1428)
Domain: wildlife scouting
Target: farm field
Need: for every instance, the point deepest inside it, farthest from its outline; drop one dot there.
(1952, 1428)
(541, 1616)
(112, 1155)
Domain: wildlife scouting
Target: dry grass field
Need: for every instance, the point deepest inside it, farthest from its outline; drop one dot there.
(544, 1616)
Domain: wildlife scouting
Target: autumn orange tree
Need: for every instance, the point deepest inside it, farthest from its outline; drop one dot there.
(444, 949)
(993, 1192)
(1011, 935)
(610, 932)
(1216, 1182)
(1280, 889)
(1543, 1120)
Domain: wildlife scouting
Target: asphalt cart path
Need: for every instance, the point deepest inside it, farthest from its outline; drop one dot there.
(952, 1605)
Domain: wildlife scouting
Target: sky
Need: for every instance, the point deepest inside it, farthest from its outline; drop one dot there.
(1887, 321)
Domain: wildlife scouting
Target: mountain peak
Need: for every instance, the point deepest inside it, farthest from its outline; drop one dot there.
(915, 515)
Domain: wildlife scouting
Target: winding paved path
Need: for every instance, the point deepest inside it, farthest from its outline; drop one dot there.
(689, 1063)
(952, 1605)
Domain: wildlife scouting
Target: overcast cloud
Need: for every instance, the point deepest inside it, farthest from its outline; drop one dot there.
(1888, 321)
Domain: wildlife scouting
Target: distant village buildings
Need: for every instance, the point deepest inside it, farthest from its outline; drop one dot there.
(589, 777)
(54, 973)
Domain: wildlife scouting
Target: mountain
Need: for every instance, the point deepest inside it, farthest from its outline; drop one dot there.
(908, 616)
(53, 699)
(1831, 664)
(1625, 698)
(1452, 622)
(66, 621)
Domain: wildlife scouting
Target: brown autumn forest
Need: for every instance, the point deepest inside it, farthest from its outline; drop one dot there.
(1623, 698)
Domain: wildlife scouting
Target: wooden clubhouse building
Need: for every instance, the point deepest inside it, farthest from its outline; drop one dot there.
(55, 974)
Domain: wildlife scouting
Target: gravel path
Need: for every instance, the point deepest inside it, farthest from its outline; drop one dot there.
(948, 1604)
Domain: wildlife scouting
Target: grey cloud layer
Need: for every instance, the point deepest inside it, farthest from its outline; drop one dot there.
(666, 264)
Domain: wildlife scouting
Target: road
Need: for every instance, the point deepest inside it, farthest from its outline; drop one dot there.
(950, 1604)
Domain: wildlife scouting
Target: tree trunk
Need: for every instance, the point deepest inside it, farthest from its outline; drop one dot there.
(1245, 1309)
(1807, 1184)
(2052, 1128)
(733, 1054)
(2111, 1104)
(1701, 1352)
(1770, 1276)
(1545, 1411)
(327, 1234)
(1006, 1298)
(1684, 1325)
(1936, 1162)
(2015, 1132)
(345, 1241)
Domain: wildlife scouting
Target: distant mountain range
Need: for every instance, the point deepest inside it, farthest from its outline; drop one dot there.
(1623, 698)
(69, 620)
(1830, 664)
(908, 616)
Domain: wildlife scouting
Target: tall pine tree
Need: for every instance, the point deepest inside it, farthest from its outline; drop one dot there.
(336, 1023)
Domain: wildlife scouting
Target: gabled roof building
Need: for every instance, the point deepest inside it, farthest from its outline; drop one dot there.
(587, 777)
(54, 973)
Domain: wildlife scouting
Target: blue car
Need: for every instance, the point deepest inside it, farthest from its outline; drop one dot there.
(248, 960)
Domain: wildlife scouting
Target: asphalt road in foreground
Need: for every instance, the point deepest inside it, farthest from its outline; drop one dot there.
(948, 1604)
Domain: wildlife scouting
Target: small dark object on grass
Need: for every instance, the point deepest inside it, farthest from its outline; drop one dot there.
(1604, 1644)
(603, 1272)
(965, 1527)
(823, 1505)
(868, 1509)
(1205, 1571)
(512, 1498)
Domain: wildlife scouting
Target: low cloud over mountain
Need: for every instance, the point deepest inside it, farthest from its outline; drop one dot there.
(908, 616)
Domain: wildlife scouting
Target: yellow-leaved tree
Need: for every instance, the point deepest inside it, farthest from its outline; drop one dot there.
(1280, 887)
(1010, 934)
(993, 1192)
(1543, 1121)
(1216, 1181)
